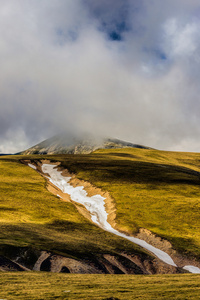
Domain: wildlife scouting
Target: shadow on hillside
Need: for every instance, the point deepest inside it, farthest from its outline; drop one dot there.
(133, 171)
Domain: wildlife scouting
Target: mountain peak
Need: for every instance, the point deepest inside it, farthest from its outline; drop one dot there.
(65, 144)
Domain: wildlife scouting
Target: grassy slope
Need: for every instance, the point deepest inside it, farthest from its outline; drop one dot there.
(30, 215)
(64, 286)
(156, 190)
(162, 189)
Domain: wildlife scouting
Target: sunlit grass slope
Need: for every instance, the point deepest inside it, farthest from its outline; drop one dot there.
(124, 287)
(152, 189)
(32, 216)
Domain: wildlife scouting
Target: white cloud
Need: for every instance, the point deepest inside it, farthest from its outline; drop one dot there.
(61, 70)
(182, 39)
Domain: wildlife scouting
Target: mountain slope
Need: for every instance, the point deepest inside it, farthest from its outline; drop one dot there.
(41, 232)
(63, 144)
(155, 190)
(155, 194)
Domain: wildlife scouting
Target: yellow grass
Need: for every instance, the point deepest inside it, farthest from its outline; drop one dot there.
(48, 286)
(32, 216)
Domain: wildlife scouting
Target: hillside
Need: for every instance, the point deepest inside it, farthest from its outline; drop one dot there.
(155, 190)
(64, 144)
(41, 232)
(155, 194)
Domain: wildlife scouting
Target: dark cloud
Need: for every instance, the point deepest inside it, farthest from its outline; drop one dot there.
(127, 69)
(112, 16)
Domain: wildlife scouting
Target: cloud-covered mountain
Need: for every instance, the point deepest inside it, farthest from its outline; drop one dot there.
(128, 69)
(63, 144)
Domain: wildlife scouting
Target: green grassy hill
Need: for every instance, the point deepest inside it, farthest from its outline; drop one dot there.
(156, 190)
(152, 189)
(32, 216)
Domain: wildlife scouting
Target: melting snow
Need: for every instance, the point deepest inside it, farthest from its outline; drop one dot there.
(192, 269)
(32, 166)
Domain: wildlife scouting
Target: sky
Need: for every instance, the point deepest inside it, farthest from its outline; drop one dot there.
(127, 69)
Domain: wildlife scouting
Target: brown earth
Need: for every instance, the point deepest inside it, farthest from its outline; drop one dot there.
(167, 247)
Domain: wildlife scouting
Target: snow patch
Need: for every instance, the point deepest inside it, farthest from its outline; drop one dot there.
(32, 166)
(192, 269)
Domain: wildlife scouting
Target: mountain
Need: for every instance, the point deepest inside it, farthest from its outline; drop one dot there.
(63, 144)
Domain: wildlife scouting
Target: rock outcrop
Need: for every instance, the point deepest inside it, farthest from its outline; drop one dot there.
(24, 259)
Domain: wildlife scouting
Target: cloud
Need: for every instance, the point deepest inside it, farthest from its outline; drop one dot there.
(127, 69)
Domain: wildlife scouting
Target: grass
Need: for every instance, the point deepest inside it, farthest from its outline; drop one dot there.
(31, 216)
(157, 190)
(48, 286)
